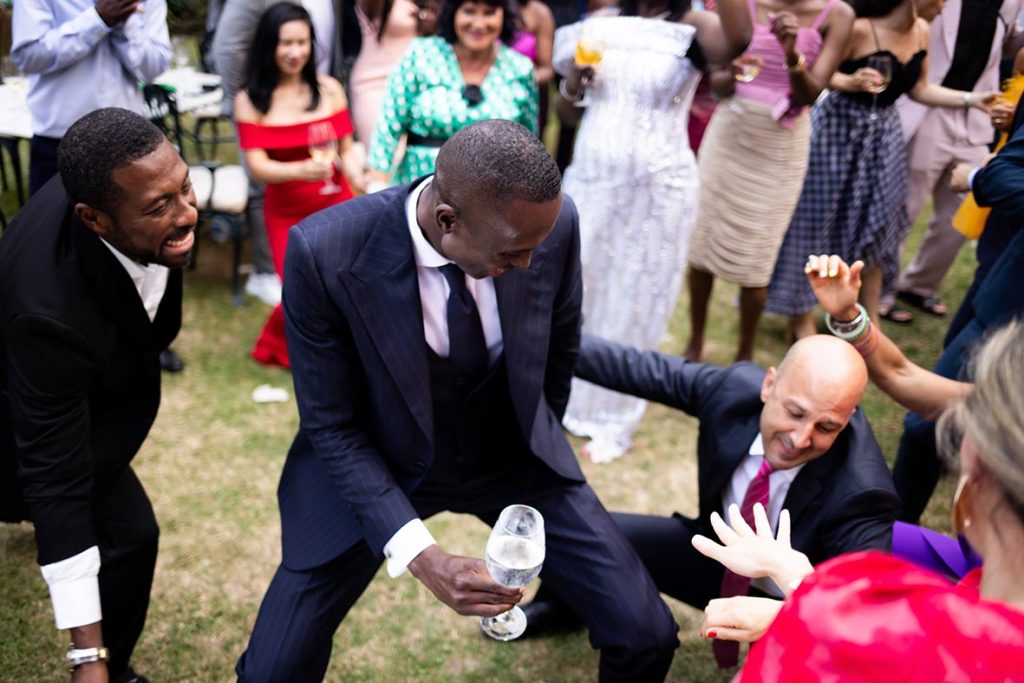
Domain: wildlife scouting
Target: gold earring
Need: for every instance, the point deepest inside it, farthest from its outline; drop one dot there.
(962, 504)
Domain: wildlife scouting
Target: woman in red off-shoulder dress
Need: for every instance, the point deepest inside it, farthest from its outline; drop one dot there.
(282, 101)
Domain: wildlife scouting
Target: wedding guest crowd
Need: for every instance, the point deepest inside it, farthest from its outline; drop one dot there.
(453, 304)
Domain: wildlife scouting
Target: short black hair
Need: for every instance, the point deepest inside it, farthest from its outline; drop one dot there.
(446, 19)
(874, 9)
(98, 144)
(676, 9)
(498, 159)
(261, 72)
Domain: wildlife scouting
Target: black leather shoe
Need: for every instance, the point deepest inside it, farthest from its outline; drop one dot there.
(549, 617)
(170, 361)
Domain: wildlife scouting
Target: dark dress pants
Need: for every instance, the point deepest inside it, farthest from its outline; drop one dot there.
(127, 535)
(588, 561)
(42, 161)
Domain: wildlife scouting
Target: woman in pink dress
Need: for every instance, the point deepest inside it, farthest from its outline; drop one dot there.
(282, 100)
(388, 26)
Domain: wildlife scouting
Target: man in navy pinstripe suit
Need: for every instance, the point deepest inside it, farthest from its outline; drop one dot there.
(398, 423)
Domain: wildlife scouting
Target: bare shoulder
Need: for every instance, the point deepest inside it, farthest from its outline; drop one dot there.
(701, 20)
(332, 91)
(924, 30)
(839, 16)
(245, 111)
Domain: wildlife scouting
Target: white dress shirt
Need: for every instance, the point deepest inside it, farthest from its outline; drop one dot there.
(73, 581)
(413, 537)
(77, 64)
(779, 482)
(322, 14)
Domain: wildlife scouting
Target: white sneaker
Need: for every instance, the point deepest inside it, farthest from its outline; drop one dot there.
(264, 286)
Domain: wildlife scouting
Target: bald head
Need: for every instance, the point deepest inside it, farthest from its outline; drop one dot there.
(828, 361)
(810, 399)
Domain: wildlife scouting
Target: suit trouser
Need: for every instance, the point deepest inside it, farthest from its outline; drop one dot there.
(939, 146)
(588, 562)
(127, 535)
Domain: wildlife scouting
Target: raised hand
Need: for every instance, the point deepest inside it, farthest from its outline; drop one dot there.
(741, 618)
(835, 284)
(463, 583)
(755, 554)
(113, 12)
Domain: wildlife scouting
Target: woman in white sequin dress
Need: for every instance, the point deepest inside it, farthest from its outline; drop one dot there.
(634, 178)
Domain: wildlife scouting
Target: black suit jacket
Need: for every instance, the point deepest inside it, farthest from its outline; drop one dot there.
(80, 366)
(359, 359)
(1000, 184)
(843, 501)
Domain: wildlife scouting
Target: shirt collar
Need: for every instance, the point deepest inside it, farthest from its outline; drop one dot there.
(426, 255)
(757, 452)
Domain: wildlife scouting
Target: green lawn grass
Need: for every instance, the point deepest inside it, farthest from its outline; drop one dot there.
(211, 466)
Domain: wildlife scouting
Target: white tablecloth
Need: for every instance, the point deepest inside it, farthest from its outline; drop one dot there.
(16, 120)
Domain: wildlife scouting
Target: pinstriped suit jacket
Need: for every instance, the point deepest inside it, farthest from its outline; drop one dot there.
(358, 353)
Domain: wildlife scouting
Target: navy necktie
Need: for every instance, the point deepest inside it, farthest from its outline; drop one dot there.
(467, 349)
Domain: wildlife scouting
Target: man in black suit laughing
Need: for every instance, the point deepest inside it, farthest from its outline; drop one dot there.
(90, 293)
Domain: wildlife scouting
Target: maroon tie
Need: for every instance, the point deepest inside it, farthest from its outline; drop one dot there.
(727, 652)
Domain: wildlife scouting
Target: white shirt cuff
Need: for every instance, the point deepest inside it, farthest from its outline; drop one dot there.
(408, 542)
(75, 589)
(970, 177)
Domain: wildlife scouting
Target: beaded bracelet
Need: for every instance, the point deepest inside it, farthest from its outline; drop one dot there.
(870, 343)
(848, 330)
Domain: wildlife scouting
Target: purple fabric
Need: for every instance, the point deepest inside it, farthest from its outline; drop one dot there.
(950, 557)
(525, 43)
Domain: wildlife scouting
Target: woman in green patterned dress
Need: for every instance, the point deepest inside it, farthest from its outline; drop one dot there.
(463, 75)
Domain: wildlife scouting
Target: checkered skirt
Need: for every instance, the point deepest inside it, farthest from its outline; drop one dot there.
(853, 201)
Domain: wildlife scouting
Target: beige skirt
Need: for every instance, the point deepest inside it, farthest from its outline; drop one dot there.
(751, 173)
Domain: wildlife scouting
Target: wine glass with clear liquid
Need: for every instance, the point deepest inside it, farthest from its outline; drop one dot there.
(323, 148)
(883, 65)
(514, 556)
(589, 53)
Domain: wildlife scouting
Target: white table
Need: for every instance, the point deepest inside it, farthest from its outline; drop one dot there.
(16, 120)
(188, 85)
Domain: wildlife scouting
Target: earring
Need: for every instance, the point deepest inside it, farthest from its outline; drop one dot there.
(962, 504)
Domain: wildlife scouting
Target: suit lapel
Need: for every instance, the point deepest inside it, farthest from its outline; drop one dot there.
(724, 463)
(950, 25)
(810, 483)
(112, 286)
(525, 336)
(385, 293)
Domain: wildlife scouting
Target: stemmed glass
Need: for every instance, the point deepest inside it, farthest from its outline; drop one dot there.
(883, 65)
(323, 147)
(514, 556)
(589, 53)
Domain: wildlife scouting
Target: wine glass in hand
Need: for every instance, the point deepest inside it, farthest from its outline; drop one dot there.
(323, 148)
(883, 65)
(514, 556)
(589, 53)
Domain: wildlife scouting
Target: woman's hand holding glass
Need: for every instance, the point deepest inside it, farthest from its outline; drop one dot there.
(755, 554)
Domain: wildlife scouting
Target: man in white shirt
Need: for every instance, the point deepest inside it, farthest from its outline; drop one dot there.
(90, 293)
(82, 55)
(798, 426)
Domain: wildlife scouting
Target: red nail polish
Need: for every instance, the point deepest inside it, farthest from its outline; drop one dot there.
(712, 634)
